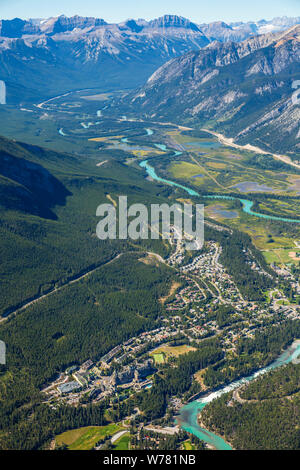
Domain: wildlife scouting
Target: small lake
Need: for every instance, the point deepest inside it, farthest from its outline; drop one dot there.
(251, 186)
(225, 214)
(87, 126)
(162, 147)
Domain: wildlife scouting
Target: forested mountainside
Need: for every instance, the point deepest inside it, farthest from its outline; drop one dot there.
(35, 54)
(242, 89)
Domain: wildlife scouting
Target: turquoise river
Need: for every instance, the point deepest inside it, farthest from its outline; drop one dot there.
(188, 418)
(247, 204)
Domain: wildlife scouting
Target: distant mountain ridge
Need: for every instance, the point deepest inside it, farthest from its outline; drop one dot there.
(41, 58)
(223, 32)
(17, 27)
(244, 89)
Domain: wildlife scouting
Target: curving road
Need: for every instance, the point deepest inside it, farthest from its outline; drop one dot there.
(118, 435)
(229, 142)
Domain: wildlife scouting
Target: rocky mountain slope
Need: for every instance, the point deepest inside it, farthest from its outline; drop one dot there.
(43, 58)
(25, 185)
(223, 32)
(243, 89)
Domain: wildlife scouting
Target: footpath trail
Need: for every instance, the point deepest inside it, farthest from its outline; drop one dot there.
(206, 172)
(237, 397)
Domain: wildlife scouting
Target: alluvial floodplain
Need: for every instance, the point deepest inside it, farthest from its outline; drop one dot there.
(130, 302)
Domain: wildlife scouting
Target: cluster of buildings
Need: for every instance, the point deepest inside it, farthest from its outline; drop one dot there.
(185, 296)
(129, 365)
(213, 275)
(134, 375)
(91, 379)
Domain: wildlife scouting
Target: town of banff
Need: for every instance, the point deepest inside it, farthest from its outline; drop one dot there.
(149, 230)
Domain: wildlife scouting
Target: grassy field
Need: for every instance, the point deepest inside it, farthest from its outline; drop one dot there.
(163, 353)
(104, 139)
(182, 138)
(123, 443)
(231, 174)
(158, 358)
(282, 256)
(99, 97)
(173, 289)
(226, 170)
(184, 169)
(187, 445)
(230, 167)
(199, 377)
(86, 438)
(265, 234)
(260, 231)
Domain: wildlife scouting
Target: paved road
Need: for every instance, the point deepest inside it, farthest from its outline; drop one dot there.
(118, 435)
(230, 142)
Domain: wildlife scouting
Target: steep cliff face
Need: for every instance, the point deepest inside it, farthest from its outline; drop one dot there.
(246, 88)
(26, 185)
(17, 28)
(173, 21)
(63, 24)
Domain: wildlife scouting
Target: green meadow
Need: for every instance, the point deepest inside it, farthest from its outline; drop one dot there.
(86, 438)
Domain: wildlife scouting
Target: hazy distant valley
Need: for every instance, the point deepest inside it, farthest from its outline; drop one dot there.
(35, 54)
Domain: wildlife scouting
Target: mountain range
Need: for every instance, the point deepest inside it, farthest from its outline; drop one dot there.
(41, 58)
(240, 31)
(244, 89)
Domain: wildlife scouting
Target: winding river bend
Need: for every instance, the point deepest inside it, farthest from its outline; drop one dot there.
(246, 204)
(188, 418)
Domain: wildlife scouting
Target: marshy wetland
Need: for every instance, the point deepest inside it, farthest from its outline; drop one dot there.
(86, 124)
